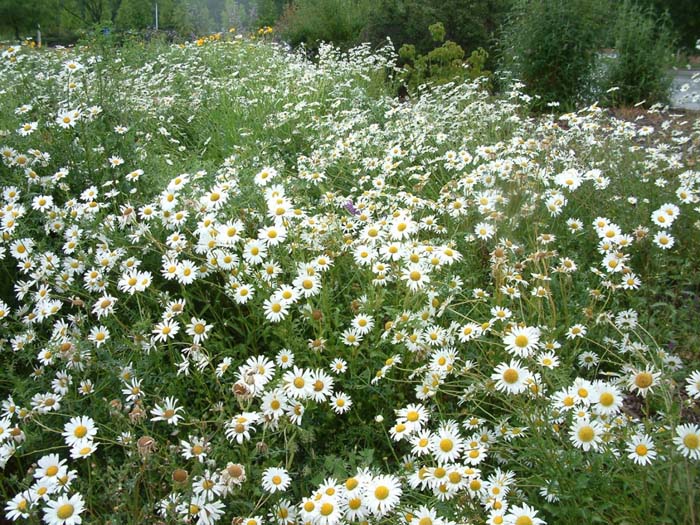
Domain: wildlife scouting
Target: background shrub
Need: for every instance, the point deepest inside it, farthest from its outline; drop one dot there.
(311, 22)
(471, 24)
(551, 45)
(644, 50)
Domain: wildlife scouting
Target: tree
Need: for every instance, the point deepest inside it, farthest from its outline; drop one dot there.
(685, 18)
(135, 14)
(22, 17)
(234, 14)
(268, 11)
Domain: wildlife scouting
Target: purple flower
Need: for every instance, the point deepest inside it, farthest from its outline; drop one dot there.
(351, 208)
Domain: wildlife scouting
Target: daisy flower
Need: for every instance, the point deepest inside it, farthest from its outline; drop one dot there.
(66, 119)
(265, 176)
(692, 386)
(687, 441)
(607, 399)
(383, 494)
(307, 285)
(586, 434)
(285, 359)
(640, 449)
(523, 515)
(322, 385)
(511, 378)
(239, 427)
(274, 403)
(548, 359)
(79, 429)
(363, 324)
(64, 511)
(275, 480)
(298, 383)
(115, 161)
(275, 310)
(643, 381)
(198, 329)
(168, 412)
(83, 449)
(196, 448)
(272, 235)
(576, 331)
(415, 416)
(664, 240)
(340, 403)
(254, 251)
(522, 341)
(104, 306)
(27, 128)
(416, 277)
(351, 337)
(19, 506)
(98, 335)
(165, 330)
(446, 444)
(339, 366)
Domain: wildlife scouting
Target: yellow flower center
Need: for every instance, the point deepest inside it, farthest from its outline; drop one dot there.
(510, 376)
(692, 441)
(586, 434)
(80, 431)
(641, 450)
(52, 470)
(446, 444)
(523, 520)
(381, 492)
(643, 380)
(521, 341)
(65, 511)
(606, 399)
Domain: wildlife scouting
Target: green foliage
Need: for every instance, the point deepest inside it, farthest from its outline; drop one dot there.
(644, 50)
(469, 23)
(551, 45)
(268, 12)
(443, 168)
(21, 18)
(437, 32)
(135, 14)
(684, 18)
(311, 22)
(441, 64)
(235, 14)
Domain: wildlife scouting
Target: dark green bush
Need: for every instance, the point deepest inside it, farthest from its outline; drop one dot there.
(311, 22)
(644, 49)
(469, 23)
(551, 45)
(442, 64)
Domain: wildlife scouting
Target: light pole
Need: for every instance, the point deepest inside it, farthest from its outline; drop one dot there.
(156, 16)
